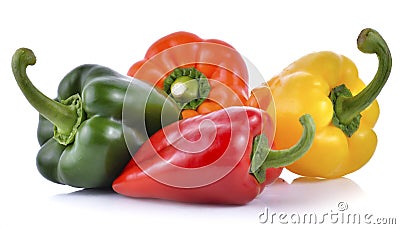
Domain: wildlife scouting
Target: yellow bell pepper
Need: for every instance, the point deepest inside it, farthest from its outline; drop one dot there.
(322, 84)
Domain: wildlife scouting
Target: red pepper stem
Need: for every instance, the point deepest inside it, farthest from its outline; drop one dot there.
(263, 157)
(66, 115)
(347, 107)
(280, 158)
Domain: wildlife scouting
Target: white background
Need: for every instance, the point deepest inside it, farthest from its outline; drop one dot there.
(116, 34)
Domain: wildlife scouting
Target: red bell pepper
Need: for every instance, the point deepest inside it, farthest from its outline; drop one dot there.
(174, 60)
(220, 158)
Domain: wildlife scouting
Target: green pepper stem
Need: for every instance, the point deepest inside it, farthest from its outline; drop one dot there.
(369, 41)
(65, 117)
(263, 157)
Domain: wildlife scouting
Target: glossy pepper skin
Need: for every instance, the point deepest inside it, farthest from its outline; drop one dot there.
(82, 137)
(216, 60)
(218, 158)
(315, 84)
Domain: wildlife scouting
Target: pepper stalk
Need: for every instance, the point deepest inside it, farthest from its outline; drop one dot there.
(66, 116)
(263, 157)
(188, 87)
(347, 108)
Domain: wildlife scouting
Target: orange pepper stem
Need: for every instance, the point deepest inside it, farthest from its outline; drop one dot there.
(188, 87)
(347, 108)
(263, 157)
(185, 89)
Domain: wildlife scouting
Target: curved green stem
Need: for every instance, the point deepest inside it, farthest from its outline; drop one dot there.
(263, 157)
(348, 108)
(66, 115)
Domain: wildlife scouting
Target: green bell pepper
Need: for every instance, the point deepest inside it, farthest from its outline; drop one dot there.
(82, 132)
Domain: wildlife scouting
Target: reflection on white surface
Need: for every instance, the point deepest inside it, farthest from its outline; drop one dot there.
(311, 193)
(302, 193)
(84, 208)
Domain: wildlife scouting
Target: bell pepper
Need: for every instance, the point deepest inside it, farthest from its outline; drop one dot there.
(81, 132)
(202, 75)
(218, 158)
(327, 86)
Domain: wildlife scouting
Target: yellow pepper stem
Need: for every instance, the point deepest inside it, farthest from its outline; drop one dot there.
(347, 108)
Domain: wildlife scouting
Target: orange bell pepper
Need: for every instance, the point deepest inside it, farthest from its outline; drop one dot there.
(203, 75)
